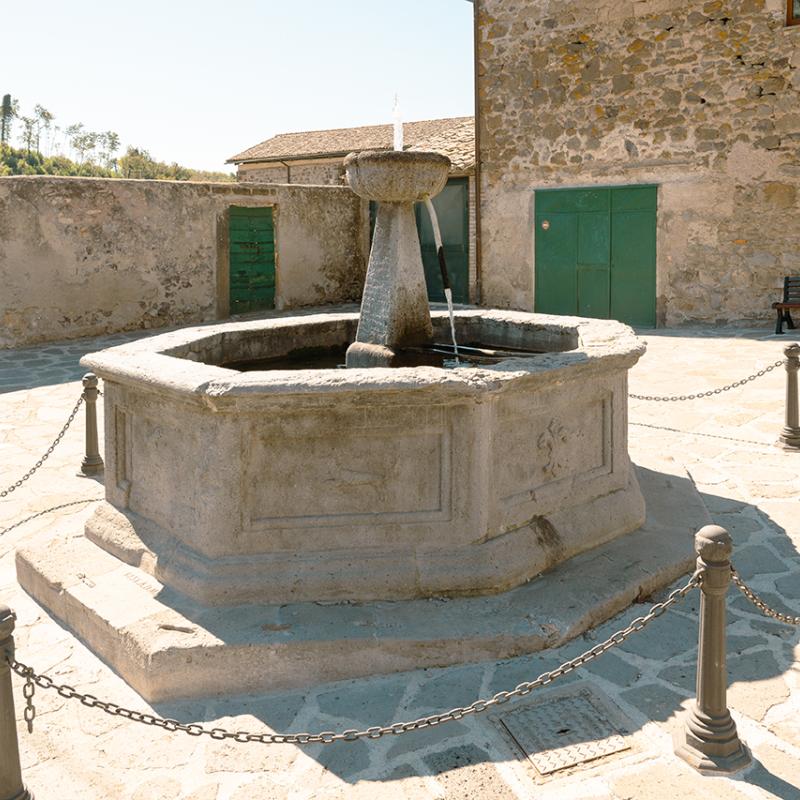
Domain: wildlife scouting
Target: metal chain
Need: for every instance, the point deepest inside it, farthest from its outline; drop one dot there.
(675, 398)
(769, 445)
(17, 484)
(28, 691)
(353, 734)
(48, 511)
(759, 603)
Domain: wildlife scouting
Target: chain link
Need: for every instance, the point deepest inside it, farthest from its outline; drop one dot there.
(28, 691)
(352, 734)
(676, 398)
(14, 486)
(21, 522)
(769, 445)
(759, 603)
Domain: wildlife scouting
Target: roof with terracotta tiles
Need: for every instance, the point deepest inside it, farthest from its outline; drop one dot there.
(454, 137)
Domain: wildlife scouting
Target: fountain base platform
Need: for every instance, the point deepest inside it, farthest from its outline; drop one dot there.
(167, 646)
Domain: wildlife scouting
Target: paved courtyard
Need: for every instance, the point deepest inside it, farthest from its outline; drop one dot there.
(749, 486)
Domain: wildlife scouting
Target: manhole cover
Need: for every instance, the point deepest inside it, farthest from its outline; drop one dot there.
(565, 731)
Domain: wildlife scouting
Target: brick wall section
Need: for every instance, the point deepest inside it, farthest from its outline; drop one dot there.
(702, 99)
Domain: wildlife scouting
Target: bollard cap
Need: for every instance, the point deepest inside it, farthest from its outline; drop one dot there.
(792, 350)
(90, 379)
(713, 543)
(7, 618)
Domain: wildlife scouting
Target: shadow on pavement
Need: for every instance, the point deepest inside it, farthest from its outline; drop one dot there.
(649, 677)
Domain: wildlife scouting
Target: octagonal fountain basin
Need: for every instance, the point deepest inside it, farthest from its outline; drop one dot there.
(328, 484)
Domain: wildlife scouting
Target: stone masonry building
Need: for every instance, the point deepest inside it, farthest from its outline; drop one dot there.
(670, 132)
(317, 157)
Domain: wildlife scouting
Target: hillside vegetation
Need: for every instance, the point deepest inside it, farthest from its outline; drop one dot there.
(41, 146)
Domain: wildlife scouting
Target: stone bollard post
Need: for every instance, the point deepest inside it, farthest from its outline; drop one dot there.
(92, 463)
(790, 436)
(709, 741)
(11, 785)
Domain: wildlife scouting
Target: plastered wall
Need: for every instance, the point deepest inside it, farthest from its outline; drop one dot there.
(84, 257)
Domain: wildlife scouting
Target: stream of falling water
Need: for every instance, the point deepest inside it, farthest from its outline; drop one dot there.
(448, 292)
(398, 124)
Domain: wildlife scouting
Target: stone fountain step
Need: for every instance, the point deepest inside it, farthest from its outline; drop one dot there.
(167, 647)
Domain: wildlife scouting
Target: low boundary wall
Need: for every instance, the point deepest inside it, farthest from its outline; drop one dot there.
(92, 256)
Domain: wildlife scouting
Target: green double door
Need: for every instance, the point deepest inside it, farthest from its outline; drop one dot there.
(452, 211)
(252, 259)
(596, 253)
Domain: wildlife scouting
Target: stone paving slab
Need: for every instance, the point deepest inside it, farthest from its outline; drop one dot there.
(754, 489)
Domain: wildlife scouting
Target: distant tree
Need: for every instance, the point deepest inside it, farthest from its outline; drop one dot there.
(94, 154)
(8, 110)
(73, 132)
(55, 140)
(86, 144)
(136, 163)
(44, 122)
(28, 132)
(108, 144)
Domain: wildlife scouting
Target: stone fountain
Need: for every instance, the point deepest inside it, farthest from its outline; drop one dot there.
(394, 309)
(236, 502)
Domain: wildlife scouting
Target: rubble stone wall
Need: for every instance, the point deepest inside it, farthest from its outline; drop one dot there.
(702, 99)
(85, 257)
(325, 174)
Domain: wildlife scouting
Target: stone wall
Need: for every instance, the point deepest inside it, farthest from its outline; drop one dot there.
(316, 173)
(84, 257)
(262, 173)
(702, 99)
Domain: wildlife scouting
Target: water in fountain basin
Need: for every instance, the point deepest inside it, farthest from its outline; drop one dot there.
(448, 292)
(475, 354)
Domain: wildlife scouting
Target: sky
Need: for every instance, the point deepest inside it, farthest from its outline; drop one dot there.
(197, 82)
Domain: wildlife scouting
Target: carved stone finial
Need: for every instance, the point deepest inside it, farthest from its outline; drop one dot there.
(713, 543)
(7, 619)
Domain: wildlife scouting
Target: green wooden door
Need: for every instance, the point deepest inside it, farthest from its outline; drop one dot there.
(452, 210)
(252, 259)
(633, 255)
(596, 253)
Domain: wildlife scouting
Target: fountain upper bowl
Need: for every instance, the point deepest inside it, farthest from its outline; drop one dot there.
(394, 176)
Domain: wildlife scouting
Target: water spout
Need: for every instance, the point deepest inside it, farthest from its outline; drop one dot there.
(398, 125)
(448, 292)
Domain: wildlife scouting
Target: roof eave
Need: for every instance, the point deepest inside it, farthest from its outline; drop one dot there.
(299, 156)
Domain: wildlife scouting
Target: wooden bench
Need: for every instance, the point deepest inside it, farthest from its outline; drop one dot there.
(791, 299)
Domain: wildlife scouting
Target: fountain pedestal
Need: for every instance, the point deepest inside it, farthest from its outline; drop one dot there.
(394, 308)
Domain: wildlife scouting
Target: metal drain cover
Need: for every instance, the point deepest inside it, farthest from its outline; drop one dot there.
(565, 731)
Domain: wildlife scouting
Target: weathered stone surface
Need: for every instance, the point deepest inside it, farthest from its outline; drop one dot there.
(393, 176)
(167, 647)
(654, 701)
(756, 684)
(467, 772)
(85, 257)
(704, 104)
(364, 484)
(664, 780)
(395, 312)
